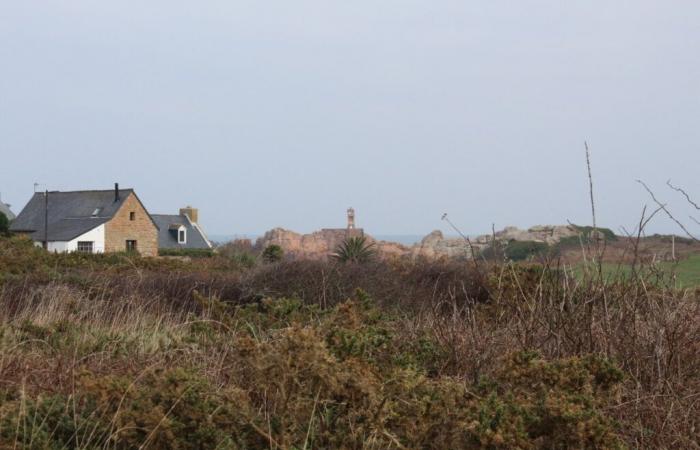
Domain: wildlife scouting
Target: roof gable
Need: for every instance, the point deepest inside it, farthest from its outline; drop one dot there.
(132, 192)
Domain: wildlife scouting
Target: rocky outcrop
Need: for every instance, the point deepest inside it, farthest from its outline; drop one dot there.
(435, 246)
(321, 244)
(550, 234)
(314, 245)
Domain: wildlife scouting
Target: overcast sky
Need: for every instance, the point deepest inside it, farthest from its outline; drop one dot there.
(284, 113)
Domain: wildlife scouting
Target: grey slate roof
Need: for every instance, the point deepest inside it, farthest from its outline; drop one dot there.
(5, 209)
(70, 214)
(167, 234)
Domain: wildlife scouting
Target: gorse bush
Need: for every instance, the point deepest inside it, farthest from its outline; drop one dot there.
(273, 253)
(516, 250)
(587, 233)
(586, 237)
(298, 376)
(187, 252)
(522, 250)
(114, 351)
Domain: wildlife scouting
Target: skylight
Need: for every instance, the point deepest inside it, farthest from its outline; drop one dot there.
(96, 212)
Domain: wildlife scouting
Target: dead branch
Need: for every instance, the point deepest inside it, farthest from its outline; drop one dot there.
(685, 194)
(590, 183)
(668, 213)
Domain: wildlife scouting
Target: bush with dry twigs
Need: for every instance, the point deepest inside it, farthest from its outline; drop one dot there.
(123, 352)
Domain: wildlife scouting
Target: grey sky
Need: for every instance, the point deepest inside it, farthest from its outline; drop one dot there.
(285, 113)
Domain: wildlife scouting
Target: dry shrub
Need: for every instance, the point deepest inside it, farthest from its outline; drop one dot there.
(295, 376)
(101, 352)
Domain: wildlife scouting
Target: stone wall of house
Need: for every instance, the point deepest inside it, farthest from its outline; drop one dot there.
(121, 228)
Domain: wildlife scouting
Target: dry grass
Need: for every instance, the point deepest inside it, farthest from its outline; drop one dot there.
(110, 354)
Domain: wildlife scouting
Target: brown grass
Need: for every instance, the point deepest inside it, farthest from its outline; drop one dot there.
(122, 355)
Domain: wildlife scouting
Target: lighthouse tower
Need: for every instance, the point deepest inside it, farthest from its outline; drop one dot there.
(351, 219)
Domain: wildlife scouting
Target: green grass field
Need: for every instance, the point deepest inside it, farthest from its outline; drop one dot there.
(686, 271)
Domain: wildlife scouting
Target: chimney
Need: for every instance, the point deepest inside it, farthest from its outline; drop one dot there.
(192, 213)
(116, 192)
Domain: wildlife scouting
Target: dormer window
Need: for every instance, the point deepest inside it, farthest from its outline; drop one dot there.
(178, 232)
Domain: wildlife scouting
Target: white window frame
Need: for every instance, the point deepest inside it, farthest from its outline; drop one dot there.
(81, 247)
(182, 232)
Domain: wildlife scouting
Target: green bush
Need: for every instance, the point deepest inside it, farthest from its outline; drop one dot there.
(515, 250)
(189, 252)
(117, 351)
(273, 253)
(586, 233)
(4, 224)
(522, 250)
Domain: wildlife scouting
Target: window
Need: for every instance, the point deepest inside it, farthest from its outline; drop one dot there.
(132, 216)
(131, 246)
(85, 246)
(181, 237)
(96, 212)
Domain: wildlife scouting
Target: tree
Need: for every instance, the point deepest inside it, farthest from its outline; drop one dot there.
(272, 253)
(355, 249)
(4, 224)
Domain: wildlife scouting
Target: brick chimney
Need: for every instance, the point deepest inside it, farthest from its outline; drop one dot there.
(192, 213)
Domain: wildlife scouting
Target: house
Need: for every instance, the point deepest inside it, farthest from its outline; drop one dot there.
(181, 230)
(89, 221)
(5, 209)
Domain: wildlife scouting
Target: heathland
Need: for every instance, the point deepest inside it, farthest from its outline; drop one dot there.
(236, 351)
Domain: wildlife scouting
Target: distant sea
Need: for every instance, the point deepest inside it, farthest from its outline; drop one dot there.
(405, 239)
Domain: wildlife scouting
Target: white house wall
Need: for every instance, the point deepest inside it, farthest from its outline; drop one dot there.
(57, 246)
(96, 235)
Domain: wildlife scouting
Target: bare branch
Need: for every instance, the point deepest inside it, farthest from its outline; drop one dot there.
(590, 182)
(685, 194)
(668, 213)
(465, 237)
(646, 222)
